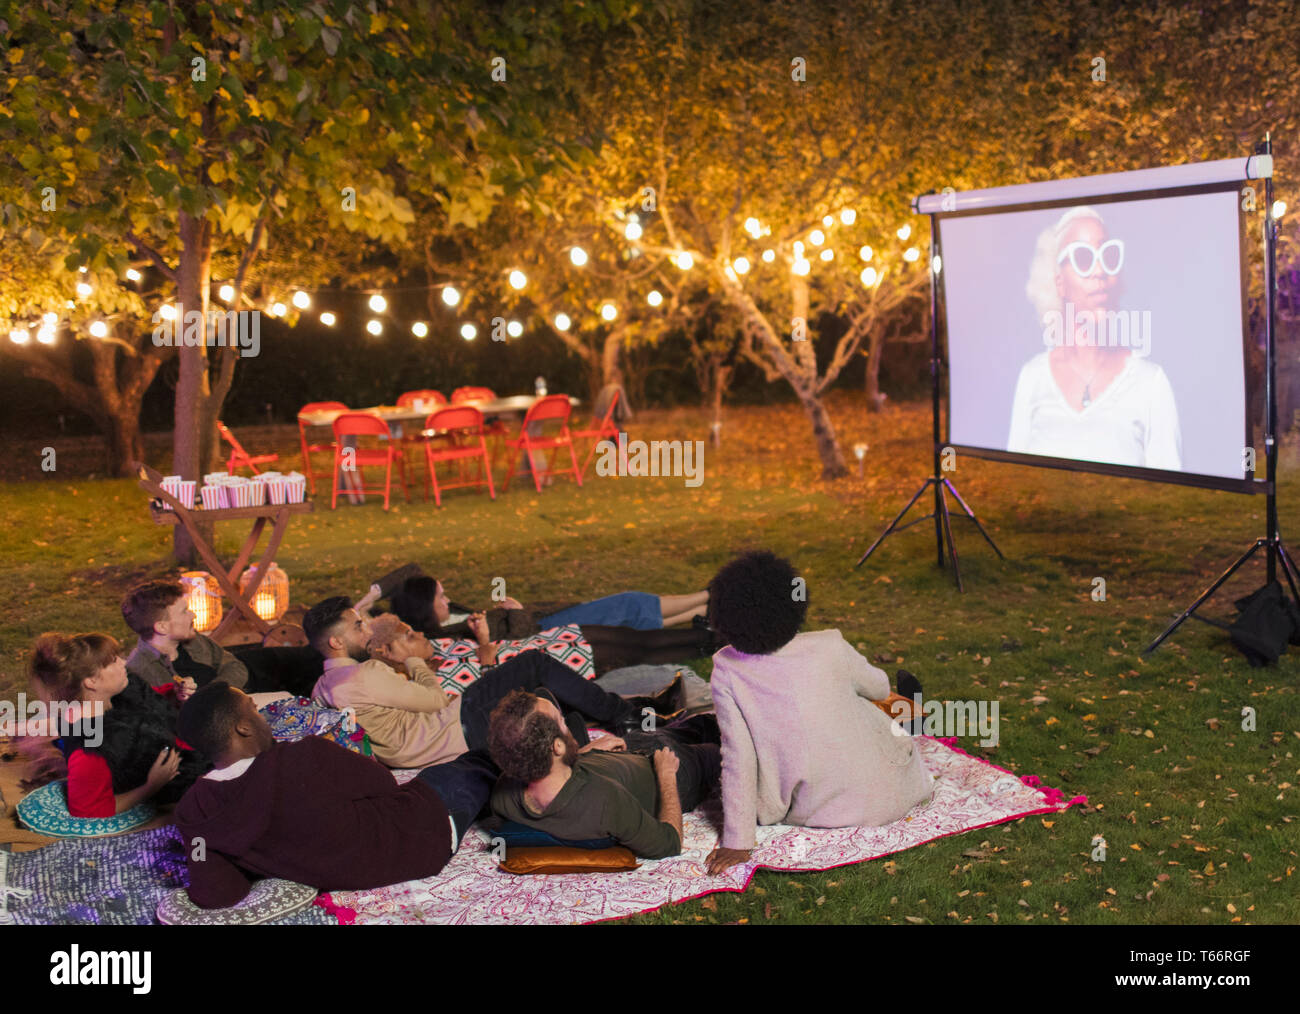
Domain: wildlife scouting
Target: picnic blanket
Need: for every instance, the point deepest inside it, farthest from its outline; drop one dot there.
(969, 793)
(114, 881)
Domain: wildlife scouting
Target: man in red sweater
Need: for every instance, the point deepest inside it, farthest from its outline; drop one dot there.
(311, 811)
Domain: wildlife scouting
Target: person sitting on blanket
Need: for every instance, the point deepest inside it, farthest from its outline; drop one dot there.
(632, 789)
(312, 811)
(411, 721)
(801, 741)
(622, 630)
(137, 756)
(169, 647)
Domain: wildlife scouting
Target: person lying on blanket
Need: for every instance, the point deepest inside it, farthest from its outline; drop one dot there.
(622, 630)
(632, 789)
(311, 811)
(398, 699)
(802, 742)
(423, 603)
(170, 649)
(135, 754)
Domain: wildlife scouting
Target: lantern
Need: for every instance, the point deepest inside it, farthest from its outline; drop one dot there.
(203, 596)
(272, 597)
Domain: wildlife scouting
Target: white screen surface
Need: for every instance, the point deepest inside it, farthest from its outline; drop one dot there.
(1109, 332)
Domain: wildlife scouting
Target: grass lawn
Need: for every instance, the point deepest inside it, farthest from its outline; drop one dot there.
(1200, 818)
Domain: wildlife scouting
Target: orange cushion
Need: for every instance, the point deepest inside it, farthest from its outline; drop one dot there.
(564, 859)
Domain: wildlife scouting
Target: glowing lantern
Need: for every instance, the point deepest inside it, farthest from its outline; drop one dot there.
(272, 598)
(203, 596)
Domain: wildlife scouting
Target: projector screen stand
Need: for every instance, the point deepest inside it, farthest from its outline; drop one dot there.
(942, 518)
(942, 524)
(1271, 542)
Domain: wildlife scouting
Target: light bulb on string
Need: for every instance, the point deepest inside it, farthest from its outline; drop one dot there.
(514, 329)
(741, 264)
(328, 319)
(577, 255)
(132, 275)
(518, 279)
(903, 232)
(562, 322)
(769, 256)
(374, 327)
(98, 329)
(468, 332)
(654, 297)
(911, 254)
(450, 295)
(633, 231)
(301, 300)
(227, 293)
(848, 216)
(865, 253)
(378, 303)
(827, 254)
(419, 329)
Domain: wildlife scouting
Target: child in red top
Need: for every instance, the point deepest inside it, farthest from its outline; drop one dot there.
(136, 756)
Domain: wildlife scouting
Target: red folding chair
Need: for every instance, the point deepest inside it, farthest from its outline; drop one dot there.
(362, 424)
(422, 400)
(240, 458)
(605, 430)
(460, 421)
(552, 408)
(307, 449)
(497, 429)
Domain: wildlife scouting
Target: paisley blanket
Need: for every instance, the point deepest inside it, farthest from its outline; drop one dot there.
(969, 793)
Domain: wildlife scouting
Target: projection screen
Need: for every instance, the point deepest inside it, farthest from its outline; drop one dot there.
(1101, 324)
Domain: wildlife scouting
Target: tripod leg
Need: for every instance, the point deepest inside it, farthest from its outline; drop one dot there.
(971, 514)
(1205, 595)
(893, 524)
(1288, 568)
(947, 531)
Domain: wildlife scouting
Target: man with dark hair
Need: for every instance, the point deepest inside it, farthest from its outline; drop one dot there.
(804, 741)
(399, 700)
(311, 811)
(170, 649)
(632, 790)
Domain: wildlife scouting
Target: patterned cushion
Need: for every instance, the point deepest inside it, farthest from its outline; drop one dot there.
(295, 718)
(269, 900)
(45, 811)
(460, 666)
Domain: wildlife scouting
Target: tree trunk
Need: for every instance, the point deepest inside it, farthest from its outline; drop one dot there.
(875, 348)
(190, 451)
(828, 448)
(719, 381)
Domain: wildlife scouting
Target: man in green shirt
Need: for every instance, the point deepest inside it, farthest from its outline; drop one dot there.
(631, 790)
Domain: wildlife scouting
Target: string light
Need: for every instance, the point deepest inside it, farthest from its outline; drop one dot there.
(937, 264)
(798, 248)
(378, 303)
(848, 216)
(50, 319)
(741, 264)
(577, 255)
(817, 237)
(84, 290)
(419, 329)
(227, 293)
(904, 231)
(132, 275)
(1279, 209)
(828, 221)
(279, 310)
(374, 327)
(633, 230)
(828, 254)
(514, 329)
(562, 322)
(802, 266)
(654, 298)
(468, 331)
(167, 311)
(328, 319)
(301, 300)
(869, 277)
(46, 334)
(518, 279)
(911, 254)
(99, 329)
(685, 261)
(753, 227)
(450, 295)
(865, 253)
(769, 256)
(609, 311)
(19, 336)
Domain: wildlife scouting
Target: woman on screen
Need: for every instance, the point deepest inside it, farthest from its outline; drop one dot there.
(1087, 396)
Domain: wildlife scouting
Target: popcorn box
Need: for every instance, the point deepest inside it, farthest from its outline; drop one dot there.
(275, 490)
(256, 494)
(185, 493)
(295, 487)
(211, 497)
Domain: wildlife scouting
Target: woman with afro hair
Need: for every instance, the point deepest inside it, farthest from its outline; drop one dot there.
(802, 741)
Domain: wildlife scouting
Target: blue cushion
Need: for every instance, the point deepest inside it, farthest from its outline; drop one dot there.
(45, 811)
(521, 836)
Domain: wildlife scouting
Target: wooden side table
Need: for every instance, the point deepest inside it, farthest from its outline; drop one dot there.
(280, 514)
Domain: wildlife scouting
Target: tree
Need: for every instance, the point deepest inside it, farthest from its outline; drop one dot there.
(187, 133)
